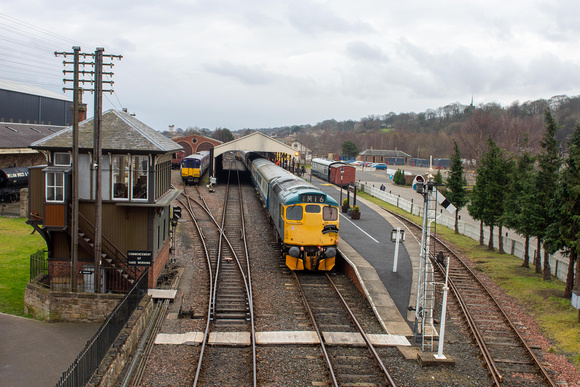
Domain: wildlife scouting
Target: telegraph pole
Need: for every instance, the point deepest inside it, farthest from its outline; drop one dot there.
(97, 160)
(97, 89)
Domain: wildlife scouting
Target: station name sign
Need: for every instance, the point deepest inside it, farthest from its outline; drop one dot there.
(139, 258)
(312, 198)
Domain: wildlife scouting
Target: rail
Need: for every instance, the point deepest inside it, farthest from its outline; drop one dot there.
(463, 279)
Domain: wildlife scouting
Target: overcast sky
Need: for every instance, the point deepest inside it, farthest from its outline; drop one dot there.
(267, 63)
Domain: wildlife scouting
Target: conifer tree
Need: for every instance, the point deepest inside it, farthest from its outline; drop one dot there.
(518, 201)
(489, 192)
(455, 184)
(549, 163)
(565, 231)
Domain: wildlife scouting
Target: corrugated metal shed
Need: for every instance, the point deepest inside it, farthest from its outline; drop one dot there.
(120, 132)
(23, 103)
(32, 90)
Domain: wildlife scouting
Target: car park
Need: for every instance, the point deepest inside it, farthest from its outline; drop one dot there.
(380, 166)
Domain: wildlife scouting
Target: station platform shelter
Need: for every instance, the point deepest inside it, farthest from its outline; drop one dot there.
(258, 142)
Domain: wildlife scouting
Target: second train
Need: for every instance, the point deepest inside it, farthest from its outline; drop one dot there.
(193, 167)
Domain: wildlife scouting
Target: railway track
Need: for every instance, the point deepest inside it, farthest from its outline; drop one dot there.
(328, 310)
(509, 359)
(230, 297)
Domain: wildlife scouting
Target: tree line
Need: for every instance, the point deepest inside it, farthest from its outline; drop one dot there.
(536, 194)
(516, 128)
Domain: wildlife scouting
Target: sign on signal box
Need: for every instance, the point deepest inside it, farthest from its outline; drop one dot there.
(139, 257)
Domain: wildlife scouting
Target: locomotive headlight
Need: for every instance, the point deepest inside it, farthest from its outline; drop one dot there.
(331, 252)
(294, 252)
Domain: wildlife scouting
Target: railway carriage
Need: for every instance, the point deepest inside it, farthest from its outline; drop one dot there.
(305, 218)
(194, 166)
(335, 172)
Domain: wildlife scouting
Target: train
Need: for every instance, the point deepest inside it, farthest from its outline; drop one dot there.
(305, 218)
(194, 166)
(335, 172)
(12, 180)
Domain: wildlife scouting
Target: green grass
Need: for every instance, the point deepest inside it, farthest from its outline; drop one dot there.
(543, 300)
(16, 245)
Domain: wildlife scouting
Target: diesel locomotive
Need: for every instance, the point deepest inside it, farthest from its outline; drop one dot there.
(194, 166)
(305, 218)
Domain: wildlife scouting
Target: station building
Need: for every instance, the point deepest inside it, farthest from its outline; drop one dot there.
(136, 198)
(192, 144)
(390, 157)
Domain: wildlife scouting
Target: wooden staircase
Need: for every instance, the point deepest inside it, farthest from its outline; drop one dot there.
(120, 276)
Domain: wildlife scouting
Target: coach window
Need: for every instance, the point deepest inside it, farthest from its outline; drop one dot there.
(294, 213)
(329, 213)
(139, 176)
(120, 176)
(55, 187)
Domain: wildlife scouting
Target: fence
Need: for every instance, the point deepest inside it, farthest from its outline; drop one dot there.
(39, 267)
(87, 362)
(515, 247)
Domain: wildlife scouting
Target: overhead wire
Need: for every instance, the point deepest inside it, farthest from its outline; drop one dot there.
(27, 55)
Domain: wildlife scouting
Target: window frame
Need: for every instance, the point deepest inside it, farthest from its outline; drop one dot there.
(130, 176)
(56, 155)
(54, 187)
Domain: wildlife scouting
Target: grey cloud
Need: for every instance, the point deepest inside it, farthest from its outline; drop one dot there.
(251, 75)
(315, 18)
(360, 50)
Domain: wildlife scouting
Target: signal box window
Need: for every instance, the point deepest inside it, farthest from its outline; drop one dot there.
(55, 187)
(139, 176)
(120, 177)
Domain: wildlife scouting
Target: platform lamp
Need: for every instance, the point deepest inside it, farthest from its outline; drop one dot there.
(341, 174)
(397, 236)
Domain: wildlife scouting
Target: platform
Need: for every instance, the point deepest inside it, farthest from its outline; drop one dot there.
(366, 245)
(163, 294)
(280, 338)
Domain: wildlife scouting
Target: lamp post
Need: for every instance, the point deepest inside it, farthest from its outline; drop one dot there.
(397, 235)
(440, 354)
(341, 174)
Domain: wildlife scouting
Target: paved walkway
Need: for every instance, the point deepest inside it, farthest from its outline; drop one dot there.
(35, 353)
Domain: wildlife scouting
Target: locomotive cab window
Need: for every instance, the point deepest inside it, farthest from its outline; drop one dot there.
(312, 209)
(329, 213)
(294, 213)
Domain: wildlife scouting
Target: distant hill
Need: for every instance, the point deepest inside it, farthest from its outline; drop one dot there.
(431, 133)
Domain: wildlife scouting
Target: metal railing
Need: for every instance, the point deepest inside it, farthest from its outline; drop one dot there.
(39, 267)
(558, 265)
(87, 362)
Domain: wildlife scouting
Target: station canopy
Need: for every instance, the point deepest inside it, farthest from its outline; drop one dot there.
(255, 142)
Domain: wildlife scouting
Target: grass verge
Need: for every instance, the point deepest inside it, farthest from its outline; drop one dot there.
(17, 243)
(543, 300)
